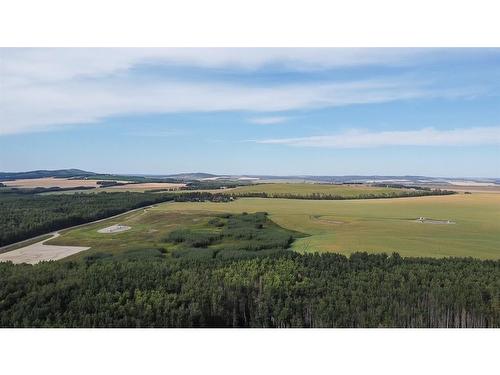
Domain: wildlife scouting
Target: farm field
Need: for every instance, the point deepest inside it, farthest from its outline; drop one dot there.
(383, 225)
(141, 187)
(49, 182)
(469, 188)
(349, 191)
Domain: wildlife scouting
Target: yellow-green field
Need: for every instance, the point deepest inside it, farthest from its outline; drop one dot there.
(382, 225)
(348, 191)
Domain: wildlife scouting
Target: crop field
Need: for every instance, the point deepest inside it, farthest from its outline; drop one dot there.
(383, 225)
(49, 182)
(141, 187)
(349, 191)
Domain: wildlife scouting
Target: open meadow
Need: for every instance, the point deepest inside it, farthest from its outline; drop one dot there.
(306, 189)
(146, 186)
(382, 225)
(66, 183)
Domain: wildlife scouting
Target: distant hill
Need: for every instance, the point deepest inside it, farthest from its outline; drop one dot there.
(61, 173)
(199, 176)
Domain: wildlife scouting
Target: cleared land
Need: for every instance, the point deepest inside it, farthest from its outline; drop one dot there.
(50, 182)
(117, 228)
(190, 234)
(382, 225)
(350, 191)
(38, 252)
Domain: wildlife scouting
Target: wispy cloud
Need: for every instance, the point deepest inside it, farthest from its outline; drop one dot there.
(158, 133)
(421, 137)
(51, 64)
(41, 106)
(270, 120)
(45, 88)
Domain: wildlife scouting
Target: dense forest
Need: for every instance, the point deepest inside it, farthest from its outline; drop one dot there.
(24, 216)
(323, 196)
(284, 289)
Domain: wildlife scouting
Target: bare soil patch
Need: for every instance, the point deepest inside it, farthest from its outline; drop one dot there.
(117, 228)
(433, 221)
(39, 252)
(49, 182)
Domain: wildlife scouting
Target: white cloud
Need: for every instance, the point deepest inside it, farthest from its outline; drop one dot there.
(270, 120)
(421, 137)
(44, 88)
(49, 64)
(43, 106)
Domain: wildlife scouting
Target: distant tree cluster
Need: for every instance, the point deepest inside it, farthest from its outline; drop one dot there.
(326, 196)
(201, 196)
(231, 235)
(108, 183)
(39, 190)
(285, 289)
(402, 186)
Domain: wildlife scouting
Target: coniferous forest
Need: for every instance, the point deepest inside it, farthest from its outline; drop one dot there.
(284, 289)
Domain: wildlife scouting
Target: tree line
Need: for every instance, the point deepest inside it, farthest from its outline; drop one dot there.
(327, 196)
(283, 289)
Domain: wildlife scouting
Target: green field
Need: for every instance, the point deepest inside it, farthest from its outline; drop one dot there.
(382, 225)
(276, 189)
(348, 191)
(180, 234)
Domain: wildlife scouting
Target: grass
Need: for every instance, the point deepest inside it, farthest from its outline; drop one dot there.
(350, 191)
(180, 234)
(382, 225)
(304, 189)
(128, 188)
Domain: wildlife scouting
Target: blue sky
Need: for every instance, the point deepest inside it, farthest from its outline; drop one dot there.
(432, 112)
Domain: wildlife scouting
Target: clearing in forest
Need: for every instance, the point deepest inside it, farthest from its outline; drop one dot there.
(344, 226)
